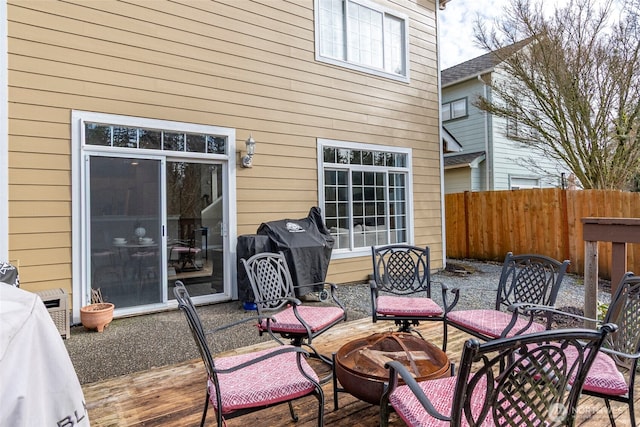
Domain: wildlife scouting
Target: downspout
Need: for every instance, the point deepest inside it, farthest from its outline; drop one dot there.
(443, 222)
(488, 157)
(4, 134)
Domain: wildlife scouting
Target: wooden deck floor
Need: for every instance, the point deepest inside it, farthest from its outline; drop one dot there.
(174, 395)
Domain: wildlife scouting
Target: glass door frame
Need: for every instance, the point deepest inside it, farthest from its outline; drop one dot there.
(162, 220)
(79, 208)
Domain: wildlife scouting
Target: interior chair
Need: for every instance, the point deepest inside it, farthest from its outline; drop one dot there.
(185, 253)
(518, 381)
(401, 287)
(248, 382)
(282, 312)
(527, 278)
(612, 376)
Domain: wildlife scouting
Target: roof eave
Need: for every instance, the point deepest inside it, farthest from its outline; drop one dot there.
(469, 77)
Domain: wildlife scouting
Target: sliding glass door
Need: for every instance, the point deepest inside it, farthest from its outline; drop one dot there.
(127, 240)
(125, 232)
(194, 222)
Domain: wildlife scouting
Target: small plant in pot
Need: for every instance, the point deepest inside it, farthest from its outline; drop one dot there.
(98, 314)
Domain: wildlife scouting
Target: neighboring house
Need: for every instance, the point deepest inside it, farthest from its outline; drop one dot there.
(489, 159)
(124, 128)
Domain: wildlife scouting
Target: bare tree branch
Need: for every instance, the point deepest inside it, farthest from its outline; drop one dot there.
(571, 80)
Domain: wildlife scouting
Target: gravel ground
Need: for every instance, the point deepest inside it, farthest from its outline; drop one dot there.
(138, 343)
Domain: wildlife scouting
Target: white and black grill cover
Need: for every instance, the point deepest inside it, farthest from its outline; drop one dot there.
(38, 384)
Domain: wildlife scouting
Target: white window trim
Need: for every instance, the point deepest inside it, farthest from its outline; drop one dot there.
(322, 143)
(512, 178)
(357, 67)
(449, 104)
(78, 149)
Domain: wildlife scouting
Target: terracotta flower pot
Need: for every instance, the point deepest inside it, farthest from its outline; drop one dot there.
(96, 316)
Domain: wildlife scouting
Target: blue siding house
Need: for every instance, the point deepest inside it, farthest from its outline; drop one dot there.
(489, 158)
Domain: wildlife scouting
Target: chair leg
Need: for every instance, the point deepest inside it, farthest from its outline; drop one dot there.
(320, 407)
(610, 412)
(335, 382)
(632, 415)
(445, 336)
(384, 414)
(206, 406)
(294, 417)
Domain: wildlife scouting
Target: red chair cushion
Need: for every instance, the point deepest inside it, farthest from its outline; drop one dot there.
(273, 380)
(441, 394)
(389, 305)
(316, 317)
(604, 376)
(490, 322)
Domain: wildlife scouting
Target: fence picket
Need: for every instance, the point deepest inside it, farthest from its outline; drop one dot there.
(485, 225)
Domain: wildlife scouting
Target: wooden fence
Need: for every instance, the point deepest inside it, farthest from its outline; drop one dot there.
(486, 225)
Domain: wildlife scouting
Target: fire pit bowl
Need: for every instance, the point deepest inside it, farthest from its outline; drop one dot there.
(359, 364)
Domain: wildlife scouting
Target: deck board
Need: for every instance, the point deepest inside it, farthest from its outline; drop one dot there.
(173, 396)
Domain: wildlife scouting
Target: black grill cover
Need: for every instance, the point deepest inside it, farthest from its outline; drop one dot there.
(249, 245)
(306, 244)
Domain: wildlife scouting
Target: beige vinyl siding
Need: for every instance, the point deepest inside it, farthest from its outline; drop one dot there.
(240, 64)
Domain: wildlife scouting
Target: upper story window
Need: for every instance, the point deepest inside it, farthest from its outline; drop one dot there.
(365, 191)
(362, 35)
(454, 109)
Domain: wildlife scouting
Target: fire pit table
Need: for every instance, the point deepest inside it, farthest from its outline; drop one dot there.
(359, 364)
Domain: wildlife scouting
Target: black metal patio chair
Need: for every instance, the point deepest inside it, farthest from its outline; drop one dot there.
(253, 381)
(283, 313)
(613, 374)
(519, 381)
(401, 287)
(526, 278)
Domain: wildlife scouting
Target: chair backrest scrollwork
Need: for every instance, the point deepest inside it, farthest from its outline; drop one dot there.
(530, 278)
(402, 269)
(526, 380)
(270, 280)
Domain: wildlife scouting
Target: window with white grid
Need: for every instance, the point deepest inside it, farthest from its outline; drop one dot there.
(365, 195)
(362, 35)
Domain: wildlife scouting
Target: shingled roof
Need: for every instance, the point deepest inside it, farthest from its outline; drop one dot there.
(461, 160)
(479, 65)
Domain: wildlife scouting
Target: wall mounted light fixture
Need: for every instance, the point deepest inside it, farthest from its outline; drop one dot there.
(251, 149)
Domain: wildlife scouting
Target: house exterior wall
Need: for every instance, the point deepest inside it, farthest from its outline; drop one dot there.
(238, 64)
(469, 130)
(512, 159)
(505, 158)
(458, 180)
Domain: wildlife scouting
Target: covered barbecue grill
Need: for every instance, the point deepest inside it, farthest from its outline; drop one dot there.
(306, 244)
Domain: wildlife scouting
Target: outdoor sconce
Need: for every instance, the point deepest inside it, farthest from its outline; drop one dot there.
(251, 149)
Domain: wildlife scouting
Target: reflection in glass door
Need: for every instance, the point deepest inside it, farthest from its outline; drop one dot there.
(194, 220)
(125, 233)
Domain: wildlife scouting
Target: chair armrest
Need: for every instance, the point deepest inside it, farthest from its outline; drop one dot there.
(531, 311)
(280, 350)
(373, 286)
(444, 288)
(456, 298)
(333, 288)
(397, 369)
(538, 309)
(291, 300)
(238, 322)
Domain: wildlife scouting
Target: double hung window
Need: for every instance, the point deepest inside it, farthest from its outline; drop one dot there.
(362, 35)
(454, 109)
(365, 193)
